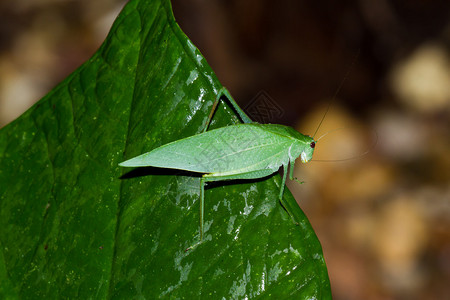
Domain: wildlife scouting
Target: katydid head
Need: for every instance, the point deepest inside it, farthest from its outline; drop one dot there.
(307, 153)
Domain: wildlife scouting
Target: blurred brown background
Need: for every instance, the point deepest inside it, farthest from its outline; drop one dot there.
(383, 219)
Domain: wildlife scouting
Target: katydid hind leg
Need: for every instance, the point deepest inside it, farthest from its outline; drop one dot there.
(241, 113)
(202, 206)
(213, 110)
(202, 211)
(224, 92)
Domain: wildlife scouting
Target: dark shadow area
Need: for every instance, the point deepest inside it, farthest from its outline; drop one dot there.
(147, 171)
(213, 184)
(153, 171)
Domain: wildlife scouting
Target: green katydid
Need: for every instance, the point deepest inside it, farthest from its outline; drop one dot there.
(242, 151)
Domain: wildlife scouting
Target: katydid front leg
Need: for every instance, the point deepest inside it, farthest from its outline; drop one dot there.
(283, 184)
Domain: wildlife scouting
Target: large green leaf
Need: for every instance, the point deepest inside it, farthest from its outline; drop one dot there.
(74, 224)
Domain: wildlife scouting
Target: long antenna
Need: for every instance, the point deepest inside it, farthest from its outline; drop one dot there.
(353, 157)
(337, 91)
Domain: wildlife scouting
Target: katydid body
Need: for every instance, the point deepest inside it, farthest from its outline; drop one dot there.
(242, 151)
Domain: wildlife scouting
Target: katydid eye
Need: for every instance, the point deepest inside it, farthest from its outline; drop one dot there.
(312, 145)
